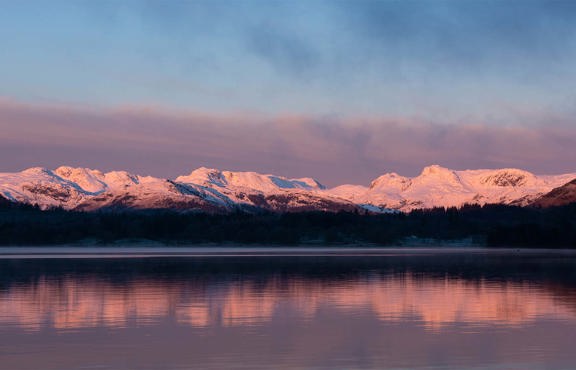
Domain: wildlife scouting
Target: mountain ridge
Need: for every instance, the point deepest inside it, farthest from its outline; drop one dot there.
(213, 190)
(559, 196)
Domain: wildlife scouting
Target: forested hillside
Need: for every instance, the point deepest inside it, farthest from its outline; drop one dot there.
(491, 225)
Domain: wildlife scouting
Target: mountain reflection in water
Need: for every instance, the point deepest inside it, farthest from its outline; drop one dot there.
(73, 303)
(421, 297)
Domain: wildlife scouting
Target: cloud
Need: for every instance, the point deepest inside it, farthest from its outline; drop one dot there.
(284, 51)
(403, 37)
(463, 32)
(332, 149)
(351, 57)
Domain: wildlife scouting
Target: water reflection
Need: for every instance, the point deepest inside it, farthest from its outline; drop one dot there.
(73, 303)
(332, 312)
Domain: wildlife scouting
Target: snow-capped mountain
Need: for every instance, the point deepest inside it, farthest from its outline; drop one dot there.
(437, 186)
(86, 189)
(213, 190)
(203, 190)
(270, 192)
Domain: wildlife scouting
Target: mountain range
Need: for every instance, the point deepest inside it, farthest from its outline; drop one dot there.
(211, 190)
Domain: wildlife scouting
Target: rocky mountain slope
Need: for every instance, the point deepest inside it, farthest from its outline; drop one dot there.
(559, 196)
(212, 190)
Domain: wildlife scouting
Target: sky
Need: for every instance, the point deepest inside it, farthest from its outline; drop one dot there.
(340, 90)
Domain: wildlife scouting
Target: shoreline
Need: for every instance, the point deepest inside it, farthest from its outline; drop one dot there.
(262, 251)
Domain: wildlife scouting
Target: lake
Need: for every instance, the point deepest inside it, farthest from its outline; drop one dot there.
(233, 308)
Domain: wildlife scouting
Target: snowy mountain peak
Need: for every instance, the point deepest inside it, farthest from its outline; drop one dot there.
(122, 178)
(37, 171)
(437, 171)
(67, 171)
(391, 180)
(310, 183)
(509, 177)
(439, 178)
(205, 177)
(437, 186)
(253, 180)
(88, 180)
(270, 192)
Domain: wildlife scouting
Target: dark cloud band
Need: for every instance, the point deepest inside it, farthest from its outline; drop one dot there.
(332, 149)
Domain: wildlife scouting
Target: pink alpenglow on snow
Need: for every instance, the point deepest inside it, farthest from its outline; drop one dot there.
(212, 190)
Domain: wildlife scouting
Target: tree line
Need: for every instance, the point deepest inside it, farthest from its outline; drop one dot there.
(490, 225)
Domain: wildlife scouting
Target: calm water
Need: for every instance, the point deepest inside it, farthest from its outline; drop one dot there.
(394, 310)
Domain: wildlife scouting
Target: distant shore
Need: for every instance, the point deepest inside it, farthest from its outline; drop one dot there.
(243, 251)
